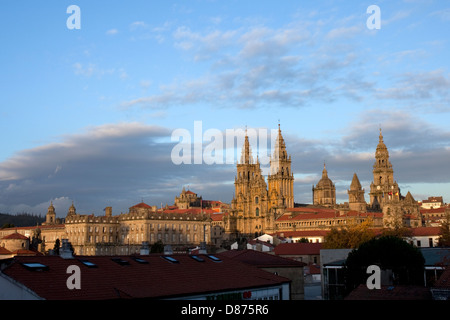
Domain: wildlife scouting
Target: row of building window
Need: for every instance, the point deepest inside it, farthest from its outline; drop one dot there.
(138, 238)
(124, 229)
(311, 223)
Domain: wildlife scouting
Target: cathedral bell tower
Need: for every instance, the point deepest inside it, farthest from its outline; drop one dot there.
(383, 188)
(250, 202)
(50, 217)
(281, 178)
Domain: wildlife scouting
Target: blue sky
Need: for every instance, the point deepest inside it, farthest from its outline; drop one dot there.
(87, 114)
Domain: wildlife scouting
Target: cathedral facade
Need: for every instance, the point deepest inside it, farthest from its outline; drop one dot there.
(257, 204)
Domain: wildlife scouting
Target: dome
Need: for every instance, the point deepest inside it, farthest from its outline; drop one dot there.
(325, 181)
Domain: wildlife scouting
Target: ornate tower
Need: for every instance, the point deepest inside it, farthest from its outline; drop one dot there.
(356, 199)
(250, 204)
(50, 217)
(72, 210)
(281, 178)
(324, 193)
(383, 187)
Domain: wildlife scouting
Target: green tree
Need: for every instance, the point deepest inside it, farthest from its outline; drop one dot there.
(401, 232)
(389, 253)
(349, 236)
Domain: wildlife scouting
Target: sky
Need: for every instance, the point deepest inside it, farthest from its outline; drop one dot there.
(92, 115)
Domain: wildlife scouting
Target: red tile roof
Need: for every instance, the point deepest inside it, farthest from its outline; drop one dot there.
(321, 213)
(426, 231)
(260, 259)
(142, 205)
(157, 279)
(16, 236)
(24, 252)
(4, 251)
(444, 280)
(298, 248)
(436, 210)
(217, 216)
(189, 211)
(390, 293)
(46, 226)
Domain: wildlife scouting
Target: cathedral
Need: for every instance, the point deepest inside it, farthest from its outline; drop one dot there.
(258, 206)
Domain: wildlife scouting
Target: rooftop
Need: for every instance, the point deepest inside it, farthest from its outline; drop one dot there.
(298, 248)
(150, 277)
(260, 259)
(16, 236)
(390, 293)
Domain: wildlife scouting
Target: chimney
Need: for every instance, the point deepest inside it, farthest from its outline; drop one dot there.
(168, 249)
(145, 249)
(64, 251)
(108, 211)
(202, 249)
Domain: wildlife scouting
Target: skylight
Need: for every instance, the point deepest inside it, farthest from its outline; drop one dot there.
(197, 258)
(214, 258)
(139, 260)
(120, 261)
(170, 259)
(35, 266)
(88, 263)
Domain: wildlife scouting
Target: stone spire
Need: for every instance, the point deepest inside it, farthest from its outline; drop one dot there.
(356, 199)
(281, 178)
(355, 185)
(246, 155)
(383, 188)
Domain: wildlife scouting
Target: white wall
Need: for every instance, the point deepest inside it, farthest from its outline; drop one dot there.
(12, 290)
(424, 241)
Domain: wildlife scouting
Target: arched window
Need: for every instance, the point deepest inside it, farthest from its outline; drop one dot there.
(257, 212)
(256, 200)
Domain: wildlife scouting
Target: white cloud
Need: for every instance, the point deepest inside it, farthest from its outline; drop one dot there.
(343, 32)
(112, 32)
(138, 25)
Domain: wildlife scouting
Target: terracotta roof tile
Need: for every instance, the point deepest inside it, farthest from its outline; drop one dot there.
(157, 279)
(142, 205)
(4, 251)
(260, 259)
(298, 248)
(15, 235)
(426, 231)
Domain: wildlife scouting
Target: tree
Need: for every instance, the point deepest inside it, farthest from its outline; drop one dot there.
(7, 225)
(444, 238)
(399, 232)
(389, 253)
(349, 236)
(157, 247)
(36, 239)
(56, 246)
